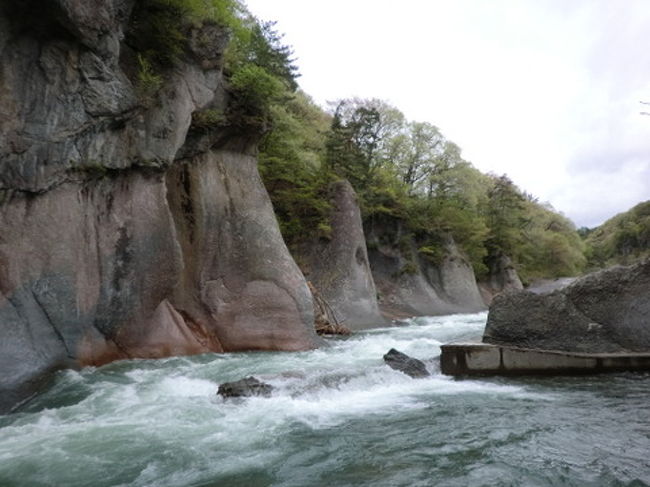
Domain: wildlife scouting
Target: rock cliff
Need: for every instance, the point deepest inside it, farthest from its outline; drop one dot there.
(502, 278)
(608, 311)
(339, 267)
(411, 284)
(126, 230)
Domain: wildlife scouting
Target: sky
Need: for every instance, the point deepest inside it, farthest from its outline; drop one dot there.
(545, 91)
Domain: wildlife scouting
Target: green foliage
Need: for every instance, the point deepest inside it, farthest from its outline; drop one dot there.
(505, 216)
(622, 239)
(357, 141)
(256, 91)
(148, 81)
(409, 172)
(432, 253)
(290, 162)
(260, 68)
(266, 49)
(408, 268)
(405, 172)
(157, 32)
(159, 29)
(208, 119)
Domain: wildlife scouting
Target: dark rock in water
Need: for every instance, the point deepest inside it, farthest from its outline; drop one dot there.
(607, 311)
(247, 387)
(408, 365)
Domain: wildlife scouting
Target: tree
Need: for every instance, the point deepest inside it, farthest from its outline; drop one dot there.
(358, 138)
(414, 152)
(504, 217)
(267, 50)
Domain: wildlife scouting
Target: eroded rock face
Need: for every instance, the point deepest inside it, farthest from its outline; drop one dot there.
(502, 278)
(339, 267)
(411, 285)
(608, 311)
(239, 280)
(454, 280)
(122, 236)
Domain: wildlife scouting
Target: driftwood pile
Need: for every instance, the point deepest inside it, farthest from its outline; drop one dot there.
(326, 321)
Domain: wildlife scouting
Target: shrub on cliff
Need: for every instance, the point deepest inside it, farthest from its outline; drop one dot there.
(158, 29)
(258, 65)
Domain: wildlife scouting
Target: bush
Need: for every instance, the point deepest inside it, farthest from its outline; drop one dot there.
(255, 91)
(148, 81)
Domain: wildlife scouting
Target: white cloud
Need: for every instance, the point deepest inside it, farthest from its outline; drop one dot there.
(546, 91)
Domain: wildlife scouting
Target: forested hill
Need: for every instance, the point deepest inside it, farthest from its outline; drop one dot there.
(621, 239)
(401, 170)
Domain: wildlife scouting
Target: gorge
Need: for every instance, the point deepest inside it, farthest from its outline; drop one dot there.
(173, 212)
(134, 228)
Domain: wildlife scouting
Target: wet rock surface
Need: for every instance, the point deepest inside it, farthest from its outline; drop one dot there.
(408, 365)
(247, 387)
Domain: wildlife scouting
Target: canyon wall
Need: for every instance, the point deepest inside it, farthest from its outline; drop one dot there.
(126, 231)
(411, 283)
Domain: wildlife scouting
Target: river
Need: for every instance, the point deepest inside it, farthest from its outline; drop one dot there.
(338, 417)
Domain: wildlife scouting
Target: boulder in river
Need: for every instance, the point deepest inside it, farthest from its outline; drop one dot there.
(247, 387)
(603, 312)
(408, 365)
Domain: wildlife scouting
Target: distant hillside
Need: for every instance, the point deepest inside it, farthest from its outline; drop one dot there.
(621, 239)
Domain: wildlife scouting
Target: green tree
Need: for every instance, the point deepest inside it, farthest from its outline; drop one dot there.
(505, 217)
(357, 142)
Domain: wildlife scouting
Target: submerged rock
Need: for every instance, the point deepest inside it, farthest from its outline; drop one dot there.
(247, 387)
(607, 311)
(408, 365)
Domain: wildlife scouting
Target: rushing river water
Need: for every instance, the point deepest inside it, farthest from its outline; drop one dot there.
(338, 417)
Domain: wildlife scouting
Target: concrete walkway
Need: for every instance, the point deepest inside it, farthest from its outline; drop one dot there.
(486, 359)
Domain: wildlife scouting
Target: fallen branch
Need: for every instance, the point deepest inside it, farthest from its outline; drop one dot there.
(326, 322)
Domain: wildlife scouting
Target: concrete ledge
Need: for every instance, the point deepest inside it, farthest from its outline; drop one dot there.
(488, 359)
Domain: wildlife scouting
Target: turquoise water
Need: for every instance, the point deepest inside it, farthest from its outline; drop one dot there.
(338, 417)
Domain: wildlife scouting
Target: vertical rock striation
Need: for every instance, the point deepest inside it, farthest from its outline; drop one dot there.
(339, 267)
(124, 232)
(410, 284)
(502, 278)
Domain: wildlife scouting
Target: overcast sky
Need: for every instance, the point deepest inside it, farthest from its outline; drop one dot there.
(545, 91)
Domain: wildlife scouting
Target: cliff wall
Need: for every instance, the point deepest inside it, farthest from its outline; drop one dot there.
(125, 232)
(339, 267)
(411, 284)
